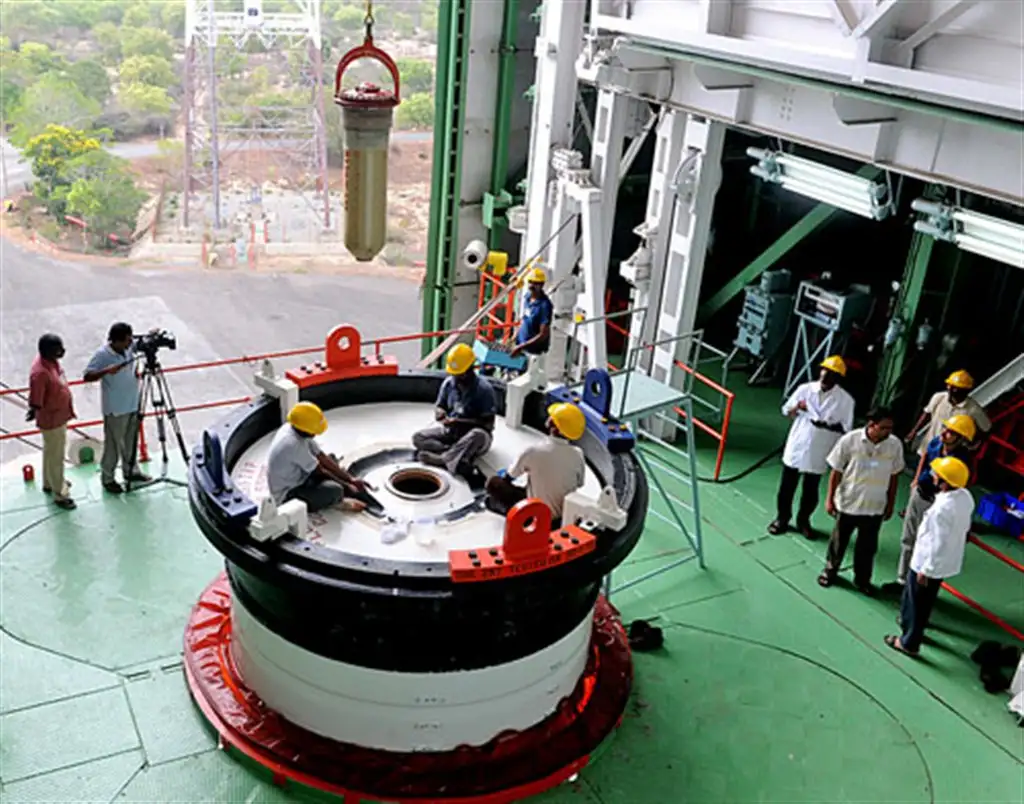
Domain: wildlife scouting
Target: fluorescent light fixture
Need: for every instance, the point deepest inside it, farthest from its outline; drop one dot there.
(824, 184)
(984, 235)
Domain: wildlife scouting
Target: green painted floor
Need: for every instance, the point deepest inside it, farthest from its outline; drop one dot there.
(768, 687)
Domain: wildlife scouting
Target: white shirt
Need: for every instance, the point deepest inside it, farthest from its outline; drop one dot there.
(942, 535)
(554, 468)
(867, 469)
(292, 459)
(807, 446)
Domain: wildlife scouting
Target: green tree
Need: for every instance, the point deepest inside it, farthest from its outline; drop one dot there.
(108, 37)
(52, 97)
(91, 79)
(37, 59)
(104, 194)
(153, 71)
(141, 99)
(172, 15)
(416, 111)
(138, 16)
(403, 24)
(350, 18)
(417, 75)
(51, 153)
(428, 21)
(146, 42)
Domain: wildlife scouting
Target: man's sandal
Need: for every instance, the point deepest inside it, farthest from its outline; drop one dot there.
(894, 643)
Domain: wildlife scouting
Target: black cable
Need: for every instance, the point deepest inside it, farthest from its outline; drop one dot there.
(732, 479)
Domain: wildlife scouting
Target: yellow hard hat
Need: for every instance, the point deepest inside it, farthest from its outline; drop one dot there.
(961, 424)
(460, 359)
(307, 418)
(952, 470)
(960, 379)
(569, 420)
(537, 274)
(835, 363)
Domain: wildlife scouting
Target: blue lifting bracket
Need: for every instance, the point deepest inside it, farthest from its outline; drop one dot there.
(596, 404)
(216, 483)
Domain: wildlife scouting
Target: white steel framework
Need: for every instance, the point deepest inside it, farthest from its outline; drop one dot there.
(215, 131)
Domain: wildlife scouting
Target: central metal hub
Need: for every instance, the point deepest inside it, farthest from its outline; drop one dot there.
(417, 483)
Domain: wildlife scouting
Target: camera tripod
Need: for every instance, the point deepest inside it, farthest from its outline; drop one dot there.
(156, 392)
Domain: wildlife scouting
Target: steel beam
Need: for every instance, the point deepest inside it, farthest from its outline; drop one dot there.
(775, 252)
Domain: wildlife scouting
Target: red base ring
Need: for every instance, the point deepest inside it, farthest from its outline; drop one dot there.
(513, 766)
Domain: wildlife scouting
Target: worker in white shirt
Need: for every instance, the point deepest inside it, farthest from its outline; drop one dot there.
(821, 411)
(866, 465)
(298, 469)
(938, 552)
(955, 400)
(957, 432)
(553, 468)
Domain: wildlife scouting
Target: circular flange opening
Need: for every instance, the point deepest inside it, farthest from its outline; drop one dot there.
(417, 483)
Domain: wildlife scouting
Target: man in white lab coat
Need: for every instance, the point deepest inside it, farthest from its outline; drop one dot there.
(938, 552)
(821, 411)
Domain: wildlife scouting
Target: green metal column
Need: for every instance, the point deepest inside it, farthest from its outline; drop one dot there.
(775, 252)
(446, 176)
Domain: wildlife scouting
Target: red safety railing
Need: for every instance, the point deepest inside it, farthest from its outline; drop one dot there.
(502, 317)
(721, 436)
(974, 604)
(377, 345)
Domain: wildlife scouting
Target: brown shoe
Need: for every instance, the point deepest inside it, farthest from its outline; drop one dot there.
(66, 503)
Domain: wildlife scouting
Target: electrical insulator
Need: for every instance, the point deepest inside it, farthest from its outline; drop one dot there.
(366, 115)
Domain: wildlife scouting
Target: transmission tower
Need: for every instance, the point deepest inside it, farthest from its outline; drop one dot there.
(217, 129)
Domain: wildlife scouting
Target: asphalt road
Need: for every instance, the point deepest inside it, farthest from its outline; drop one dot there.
(214, 315)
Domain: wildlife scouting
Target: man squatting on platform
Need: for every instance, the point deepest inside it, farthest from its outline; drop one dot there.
(821, 411)
(298, 469)
(113, 365)
(51, 406)
(952, 442)
(554, 468)
(938, 551)
(465, 411)
(866, 465)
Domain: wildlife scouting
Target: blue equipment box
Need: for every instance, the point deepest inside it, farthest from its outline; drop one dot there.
(596, 404)
(1003, 512)
(489, 353)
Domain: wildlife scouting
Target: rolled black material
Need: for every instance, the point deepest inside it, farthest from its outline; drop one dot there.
(408, 616)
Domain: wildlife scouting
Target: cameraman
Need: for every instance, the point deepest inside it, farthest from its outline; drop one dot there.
(113, 366)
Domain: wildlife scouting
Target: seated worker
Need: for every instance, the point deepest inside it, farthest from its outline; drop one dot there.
(534, 335)
(297, 469)
(957, 432)
(465, 413)
(553, 468)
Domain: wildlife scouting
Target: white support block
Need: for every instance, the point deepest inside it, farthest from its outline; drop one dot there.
(516, 391)
(590, 512)
(595, 275)
(272, 521)
(280, 388)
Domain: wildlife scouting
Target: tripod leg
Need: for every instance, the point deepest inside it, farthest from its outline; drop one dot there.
(172, 414)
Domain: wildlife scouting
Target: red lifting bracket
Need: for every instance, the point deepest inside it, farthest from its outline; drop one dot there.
(342, 361)
(529, 546)
(367, 94)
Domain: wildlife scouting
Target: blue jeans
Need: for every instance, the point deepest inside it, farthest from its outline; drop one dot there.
(916, 609)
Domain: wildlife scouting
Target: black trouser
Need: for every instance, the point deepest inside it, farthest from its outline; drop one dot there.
(787, 490)
(503, 495)
(864, 550)
(916, 609)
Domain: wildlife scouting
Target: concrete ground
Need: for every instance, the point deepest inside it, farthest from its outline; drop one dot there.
(213, 315)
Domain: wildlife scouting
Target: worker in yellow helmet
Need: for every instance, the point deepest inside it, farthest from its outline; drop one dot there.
(821, 412)
(534, 336)
(465, 411)
(956, 399)
(957, 432)
(299, 469)
(938, 551)
(554, 467)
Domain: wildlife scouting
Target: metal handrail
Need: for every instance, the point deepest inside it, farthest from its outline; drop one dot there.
(376, 343)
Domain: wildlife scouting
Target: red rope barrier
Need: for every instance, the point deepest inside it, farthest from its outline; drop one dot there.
(992, 551)
(988, 615)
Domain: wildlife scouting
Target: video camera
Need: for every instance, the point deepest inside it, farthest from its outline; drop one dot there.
(149, 343)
